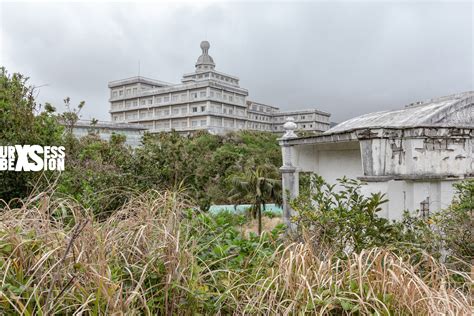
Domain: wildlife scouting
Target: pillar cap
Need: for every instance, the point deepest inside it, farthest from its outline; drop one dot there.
(290, 127)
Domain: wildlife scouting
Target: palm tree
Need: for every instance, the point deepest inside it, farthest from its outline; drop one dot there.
(259, 187)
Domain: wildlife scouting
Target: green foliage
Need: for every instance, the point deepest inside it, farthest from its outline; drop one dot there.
(98, 173)
(221, 244)
(202, 163)
(342, 218)
(455, 226)
(338, 218)
(259, 186)
(22, 123)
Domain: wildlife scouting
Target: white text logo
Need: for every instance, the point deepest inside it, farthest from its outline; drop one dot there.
(31, 158)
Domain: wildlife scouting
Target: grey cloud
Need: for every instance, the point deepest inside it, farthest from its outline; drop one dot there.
(346, 58)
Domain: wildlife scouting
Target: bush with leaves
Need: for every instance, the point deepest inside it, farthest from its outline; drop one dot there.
(455, 227)
(342, 220)
(98, 173)
(22, 122)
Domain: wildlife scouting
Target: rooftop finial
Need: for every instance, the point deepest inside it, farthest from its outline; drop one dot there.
(205, 61)
(205, 47)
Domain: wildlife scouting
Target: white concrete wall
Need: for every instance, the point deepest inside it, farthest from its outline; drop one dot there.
(407, 195)
(333, 161)
(329, 162)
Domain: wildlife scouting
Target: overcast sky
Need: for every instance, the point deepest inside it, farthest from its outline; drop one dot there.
(346, 58)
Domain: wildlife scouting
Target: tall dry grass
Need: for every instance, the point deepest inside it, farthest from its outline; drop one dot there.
(56, 258)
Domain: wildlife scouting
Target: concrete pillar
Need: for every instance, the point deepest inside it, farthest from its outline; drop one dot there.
(290, 186)
(289, 173)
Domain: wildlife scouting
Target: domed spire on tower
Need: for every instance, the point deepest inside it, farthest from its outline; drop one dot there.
(205, 61)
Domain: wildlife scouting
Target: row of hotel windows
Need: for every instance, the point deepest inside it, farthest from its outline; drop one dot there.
(159, 113)
(213, 75)
(176, 124)
(261, 118)
(221, 109)
(321, 118)
(133, 90)
(317, 126)
(184, 97)
(262, 108)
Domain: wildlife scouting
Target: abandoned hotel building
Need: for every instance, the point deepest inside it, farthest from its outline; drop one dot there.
(412, 155)
(205, 100)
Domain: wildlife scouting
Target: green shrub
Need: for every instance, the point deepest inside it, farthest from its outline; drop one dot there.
(23, 123)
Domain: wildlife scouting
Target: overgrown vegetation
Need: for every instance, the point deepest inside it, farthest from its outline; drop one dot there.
(340, 220)
(90, 241)
(100, 174)
(157, 256)
(23, 123)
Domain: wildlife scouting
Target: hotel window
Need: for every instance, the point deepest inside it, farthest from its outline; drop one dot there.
(212, 94)
(114, 94)
(219, 95)
(203, 108)
(302, 117)
(203, 122)
(184, 124)
(225, 96)
(174, 98)
(310, 125)
(224, 110)
(194, 95)
(175, 111)
(121, 92)
(195, 109)
(134, 90)
(231, 98)
(184, 110)
(135, 103)
(142, 102)
(166, 99)
(202, 94)
(194, 123)
(128, 91)
(183, 96)
(158, 100)
(150, 101)
(206, 75)
(157, 113)
(230, 111)
(166, 112)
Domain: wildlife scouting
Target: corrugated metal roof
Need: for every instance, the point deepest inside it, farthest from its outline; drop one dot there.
(450, 111)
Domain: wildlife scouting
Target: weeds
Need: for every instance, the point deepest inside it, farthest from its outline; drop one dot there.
(157, 256)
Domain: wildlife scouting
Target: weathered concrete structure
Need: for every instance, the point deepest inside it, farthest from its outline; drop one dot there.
(412, 155)
(104, 130)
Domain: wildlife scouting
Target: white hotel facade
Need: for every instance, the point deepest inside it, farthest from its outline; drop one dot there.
(205, 100)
